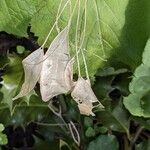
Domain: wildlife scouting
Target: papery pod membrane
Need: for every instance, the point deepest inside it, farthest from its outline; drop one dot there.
(84, 96)
(32, 65)
(56, 70)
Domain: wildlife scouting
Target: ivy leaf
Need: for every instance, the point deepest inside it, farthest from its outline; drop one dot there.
(36, 110)
(138, 102)
(11, 80)
(104, 142)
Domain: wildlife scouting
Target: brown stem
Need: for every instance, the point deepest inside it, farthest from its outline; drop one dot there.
(134, 139)
(126, 143)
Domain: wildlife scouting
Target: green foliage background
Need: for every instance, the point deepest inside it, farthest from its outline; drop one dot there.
(117, 31)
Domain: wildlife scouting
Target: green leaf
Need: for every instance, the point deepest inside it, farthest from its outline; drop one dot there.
(104, 26)
(104, 142)
(110, 71)
(3, 139)
(143, 121)
(102, 87)
(3, 62)
(135, 32)
(103, 129)
(90, 132)
(88, 122)
(116, 120)
(138, 102)
(145, 145)
(36, 110)
(20, 49)
(1, 127)
(11, 80)
(111, 33)
(44, 19)
(63, 145)
(44, 145)
(15, 15)
(49, 125)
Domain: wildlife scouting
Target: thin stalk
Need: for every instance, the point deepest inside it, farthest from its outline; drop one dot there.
(133, 141)
(55, 24)
(76, 40)
(50, 125)
(99, 27)
(72, 134)
(57, 28)
(126, 143)
(85, 21)
(85, 66)
(70, 19)
(68, 126)
(82, 41)
(94, 54)
(68, 26)
(76, 131)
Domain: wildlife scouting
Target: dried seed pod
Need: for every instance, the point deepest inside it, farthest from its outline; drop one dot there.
(32, 67)
(56, 72)
(84, 96)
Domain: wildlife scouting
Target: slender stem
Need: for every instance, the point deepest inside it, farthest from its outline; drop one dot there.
(70, 19)
(85, 65)
(76, 39)
(68, 126)
(76, 131)
(54, 24)
(50, 125)
(82, 41)
(133, 141)
(126, 143)
(84, 29)
(69, 24)
(72, 134)
(94, 54)
(97, 56)
(99, 27)
(70, 15)
(57, 28)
